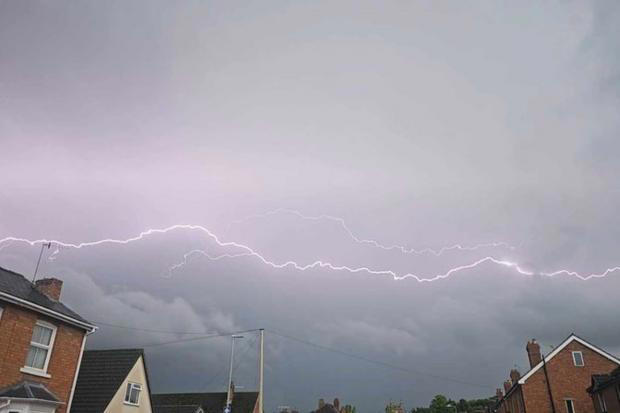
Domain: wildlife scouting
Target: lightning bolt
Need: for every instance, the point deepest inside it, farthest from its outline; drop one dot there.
(246, 251)
(341, 222)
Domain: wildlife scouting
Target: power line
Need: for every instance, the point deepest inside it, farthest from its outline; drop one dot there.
(289, 337)
(377, 362)
(223, 369)
(185, 340)
(149, 330)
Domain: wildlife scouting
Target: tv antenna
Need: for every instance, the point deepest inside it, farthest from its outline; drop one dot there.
(48, 245)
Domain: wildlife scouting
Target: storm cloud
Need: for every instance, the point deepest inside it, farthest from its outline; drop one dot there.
(420, 124)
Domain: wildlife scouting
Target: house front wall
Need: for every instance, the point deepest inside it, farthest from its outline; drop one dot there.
(567, 381)
(137, 374)
(16, 325)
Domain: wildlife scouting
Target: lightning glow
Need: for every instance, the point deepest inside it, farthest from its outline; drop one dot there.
(246, 251)
(341, 222)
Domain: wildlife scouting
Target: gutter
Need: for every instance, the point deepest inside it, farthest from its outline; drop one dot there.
(51, 313)
(77, 371)
(31, 399)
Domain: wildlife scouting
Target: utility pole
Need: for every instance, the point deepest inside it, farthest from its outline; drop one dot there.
(261, 366)
(229, 397)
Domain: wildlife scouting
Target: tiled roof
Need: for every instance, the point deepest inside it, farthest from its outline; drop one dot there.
(101, 374)
(243, 402)
(190, 408)
(29, 390)
(601, 381)
(18, 286)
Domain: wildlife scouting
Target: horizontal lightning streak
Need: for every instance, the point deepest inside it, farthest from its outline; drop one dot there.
(248, 251)
(377, 244)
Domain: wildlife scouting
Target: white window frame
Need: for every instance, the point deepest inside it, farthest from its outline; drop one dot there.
(572, 404)
(130, 386)
(33, 370)
(583, 361)
(601, 402)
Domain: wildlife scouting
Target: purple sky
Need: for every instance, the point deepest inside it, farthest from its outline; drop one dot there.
(420, 124)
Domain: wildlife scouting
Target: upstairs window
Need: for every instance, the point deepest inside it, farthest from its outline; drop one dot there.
(578, 358)
(132, 395)
(41, 345)
(601, 403)
(570, 406)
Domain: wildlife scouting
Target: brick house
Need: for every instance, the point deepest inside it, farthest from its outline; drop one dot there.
(558, 382)
(41, 345)
(605, 392)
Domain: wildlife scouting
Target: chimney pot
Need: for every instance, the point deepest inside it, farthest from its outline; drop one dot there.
(514, 376)
(321, 403)
(337, 404)
(533, 352)
(51, 287)
(507, 386)
(499, 393)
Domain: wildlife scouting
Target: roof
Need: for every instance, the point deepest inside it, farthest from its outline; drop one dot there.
(101, 374)
(327, 408)
(16, 288)
(29, 390)
(243, 402)
(190, 408)
(602, 381)
(561, 347)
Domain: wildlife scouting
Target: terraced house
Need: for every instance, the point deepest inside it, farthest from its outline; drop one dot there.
(41, 345)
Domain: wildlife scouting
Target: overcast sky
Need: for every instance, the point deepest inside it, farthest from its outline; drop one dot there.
(421, 124)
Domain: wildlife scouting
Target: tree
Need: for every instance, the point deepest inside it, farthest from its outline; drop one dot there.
(439, 404)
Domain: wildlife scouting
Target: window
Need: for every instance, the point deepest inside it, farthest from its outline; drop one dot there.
(570, 407)
(578, 358)
(41, 344)
(132, 396)
(601, 403)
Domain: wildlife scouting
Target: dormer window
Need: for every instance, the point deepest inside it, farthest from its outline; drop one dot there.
(132, 395)
(578, 358)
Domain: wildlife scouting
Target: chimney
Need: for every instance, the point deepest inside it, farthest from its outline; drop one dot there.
(51, 287)
(321, 403)
(337, 404)
(514, 376)
(507, 386)
(533, 352)
(499, 393)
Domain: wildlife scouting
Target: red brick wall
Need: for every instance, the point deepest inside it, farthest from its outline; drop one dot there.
(16, 325)
(567, 381)
(513, 403)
